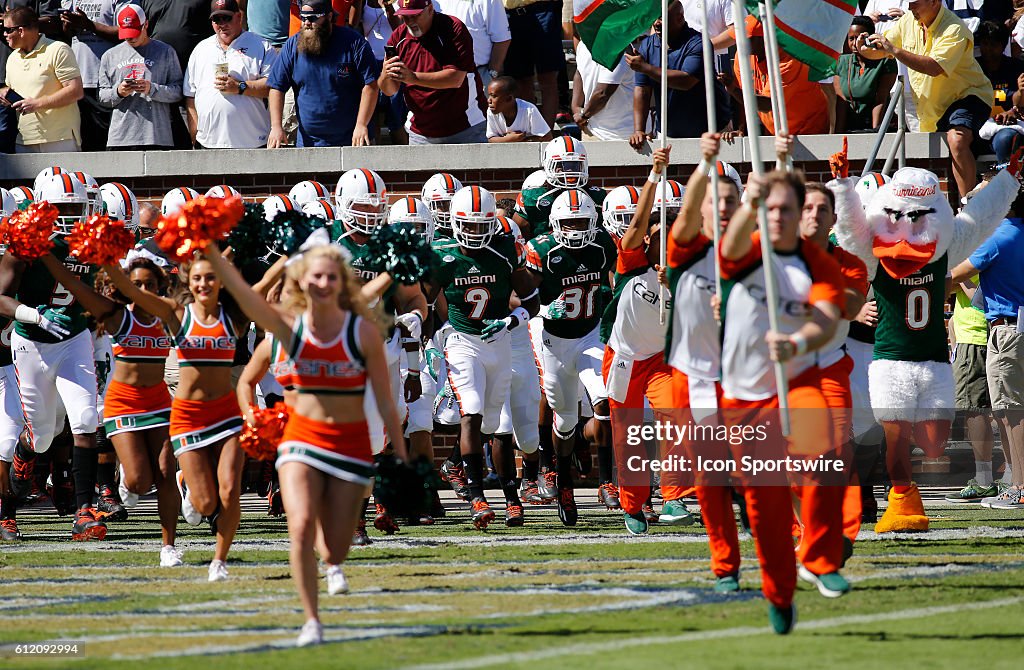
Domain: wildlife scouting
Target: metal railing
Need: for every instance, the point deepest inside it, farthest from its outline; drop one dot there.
(897, 151)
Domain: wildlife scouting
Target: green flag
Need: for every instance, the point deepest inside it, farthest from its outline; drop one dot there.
(608, 26)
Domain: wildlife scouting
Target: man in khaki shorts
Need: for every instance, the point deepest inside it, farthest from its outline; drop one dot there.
(1000, 260)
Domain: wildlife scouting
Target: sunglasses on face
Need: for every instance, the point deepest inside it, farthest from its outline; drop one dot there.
(311, 17)
(222, 18)
(8, 31)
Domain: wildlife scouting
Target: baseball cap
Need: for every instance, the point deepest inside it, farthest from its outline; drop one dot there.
(223, 8)
(411, 7)
(130, 20)
(316, 5)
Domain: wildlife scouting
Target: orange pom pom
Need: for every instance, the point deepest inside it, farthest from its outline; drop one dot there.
(260, 439)
(197, 225)
(28, 233)
(100, 241)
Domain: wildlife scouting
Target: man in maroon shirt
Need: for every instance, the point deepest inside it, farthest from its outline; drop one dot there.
(435, 62)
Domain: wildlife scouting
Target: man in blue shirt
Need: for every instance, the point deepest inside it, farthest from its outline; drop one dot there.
(687, 110)
(334, 75)
(1000, 261)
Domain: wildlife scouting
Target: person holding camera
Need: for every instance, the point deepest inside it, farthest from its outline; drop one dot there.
(141, 80)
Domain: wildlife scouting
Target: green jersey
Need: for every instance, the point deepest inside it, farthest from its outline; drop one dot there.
(365, 270)
(6, 357)
(39, 289)
(534, 204)
(576, 277)
(910, 314)
(476, 287)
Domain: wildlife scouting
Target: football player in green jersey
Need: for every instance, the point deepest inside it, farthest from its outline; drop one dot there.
(570, 267)
(361, 201)
(565, 168)
(479, 271)
(53, 355)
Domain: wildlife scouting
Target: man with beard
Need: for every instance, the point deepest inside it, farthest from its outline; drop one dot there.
(434, 59)
(226, 82)
(334, 76)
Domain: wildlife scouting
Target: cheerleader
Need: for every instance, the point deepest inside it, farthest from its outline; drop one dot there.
(324, 462)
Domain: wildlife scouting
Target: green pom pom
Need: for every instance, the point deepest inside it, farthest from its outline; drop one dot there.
(246, 239)
(286, 233)
(402, 251)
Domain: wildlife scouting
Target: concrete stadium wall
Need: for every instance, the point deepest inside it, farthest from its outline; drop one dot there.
(501, 168)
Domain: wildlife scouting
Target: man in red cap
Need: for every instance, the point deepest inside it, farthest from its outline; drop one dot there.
(140, 79)
(435, 63)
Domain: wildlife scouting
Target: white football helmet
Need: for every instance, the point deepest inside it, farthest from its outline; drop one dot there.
(361, 199)
(92, 188)
(565, 162)
(320, 208)
(437, 192)
(673, 201)
(223, 191)
(43, 174)
(120, 204)
(727, 171)
(176, 198)
(308, 191)
(474, 217)
(8, 205)
(574, 219)
(275, 204)
(415, 211)
(868, 185)
(68, 195)
(22, 194)
(618, 209)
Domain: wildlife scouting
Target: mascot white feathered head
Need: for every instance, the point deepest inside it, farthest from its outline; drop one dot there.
(910, 221)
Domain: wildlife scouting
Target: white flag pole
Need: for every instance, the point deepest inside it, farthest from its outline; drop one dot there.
(767, 257)
(771, 48)
(709, 98)
(663, 141)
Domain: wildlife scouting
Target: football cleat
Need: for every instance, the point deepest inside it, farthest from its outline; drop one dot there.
(308, 191)
(361, 198)
(275, 502)
(87, 525)
(565, 162)
(483, 515)
(547, 486)
(384, 522)
(22, 472)
(608, 494)
(119, 204)
(62, 493)
(108, 507)
(176, 198)
(437, 193)
(9, 530)
(360, 538)
(514, 516)
(567, 513)
(528, 492)
(455, 475)
(474, 217)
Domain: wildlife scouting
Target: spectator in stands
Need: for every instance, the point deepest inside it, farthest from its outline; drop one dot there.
(333, 74)
(883, 11)
(535, 55)
(1000, 262)
(863, 85)
(510, 119)
(442, 89)
(1004, 128)
(950, 91)
(378, 22)
(141, 80)
(346, 13)
(719, 22)
(687, 109)
(45, 74)
(269, 19)
(91, 25)
(602, 99)
(226, 84)
(806, 104)
(488, 25)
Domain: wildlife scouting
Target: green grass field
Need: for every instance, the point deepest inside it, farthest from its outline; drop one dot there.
(539, 596)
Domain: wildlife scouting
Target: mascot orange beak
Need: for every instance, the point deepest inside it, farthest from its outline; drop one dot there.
(902, 259)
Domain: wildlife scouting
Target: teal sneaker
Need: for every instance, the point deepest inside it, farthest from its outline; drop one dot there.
(727, 584)
(636, 524)
(674, 513)
(973, 493)
(783, 620)
(831, 585)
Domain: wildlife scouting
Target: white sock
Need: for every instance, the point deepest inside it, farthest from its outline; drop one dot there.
(1008, 475)
(983, 472)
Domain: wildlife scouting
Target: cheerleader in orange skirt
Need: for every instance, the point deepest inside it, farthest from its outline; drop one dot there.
(324, 459)
(137, 404)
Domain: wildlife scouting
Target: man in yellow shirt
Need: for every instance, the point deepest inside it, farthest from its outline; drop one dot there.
(951, 92)
(45, 76)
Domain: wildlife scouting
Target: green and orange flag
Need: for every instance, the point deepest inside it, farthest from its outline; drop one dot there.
(608, 26)
(812, 31)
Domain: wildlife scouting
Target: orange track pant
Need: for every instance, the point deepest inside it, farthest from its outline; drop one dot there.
(650, 378)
